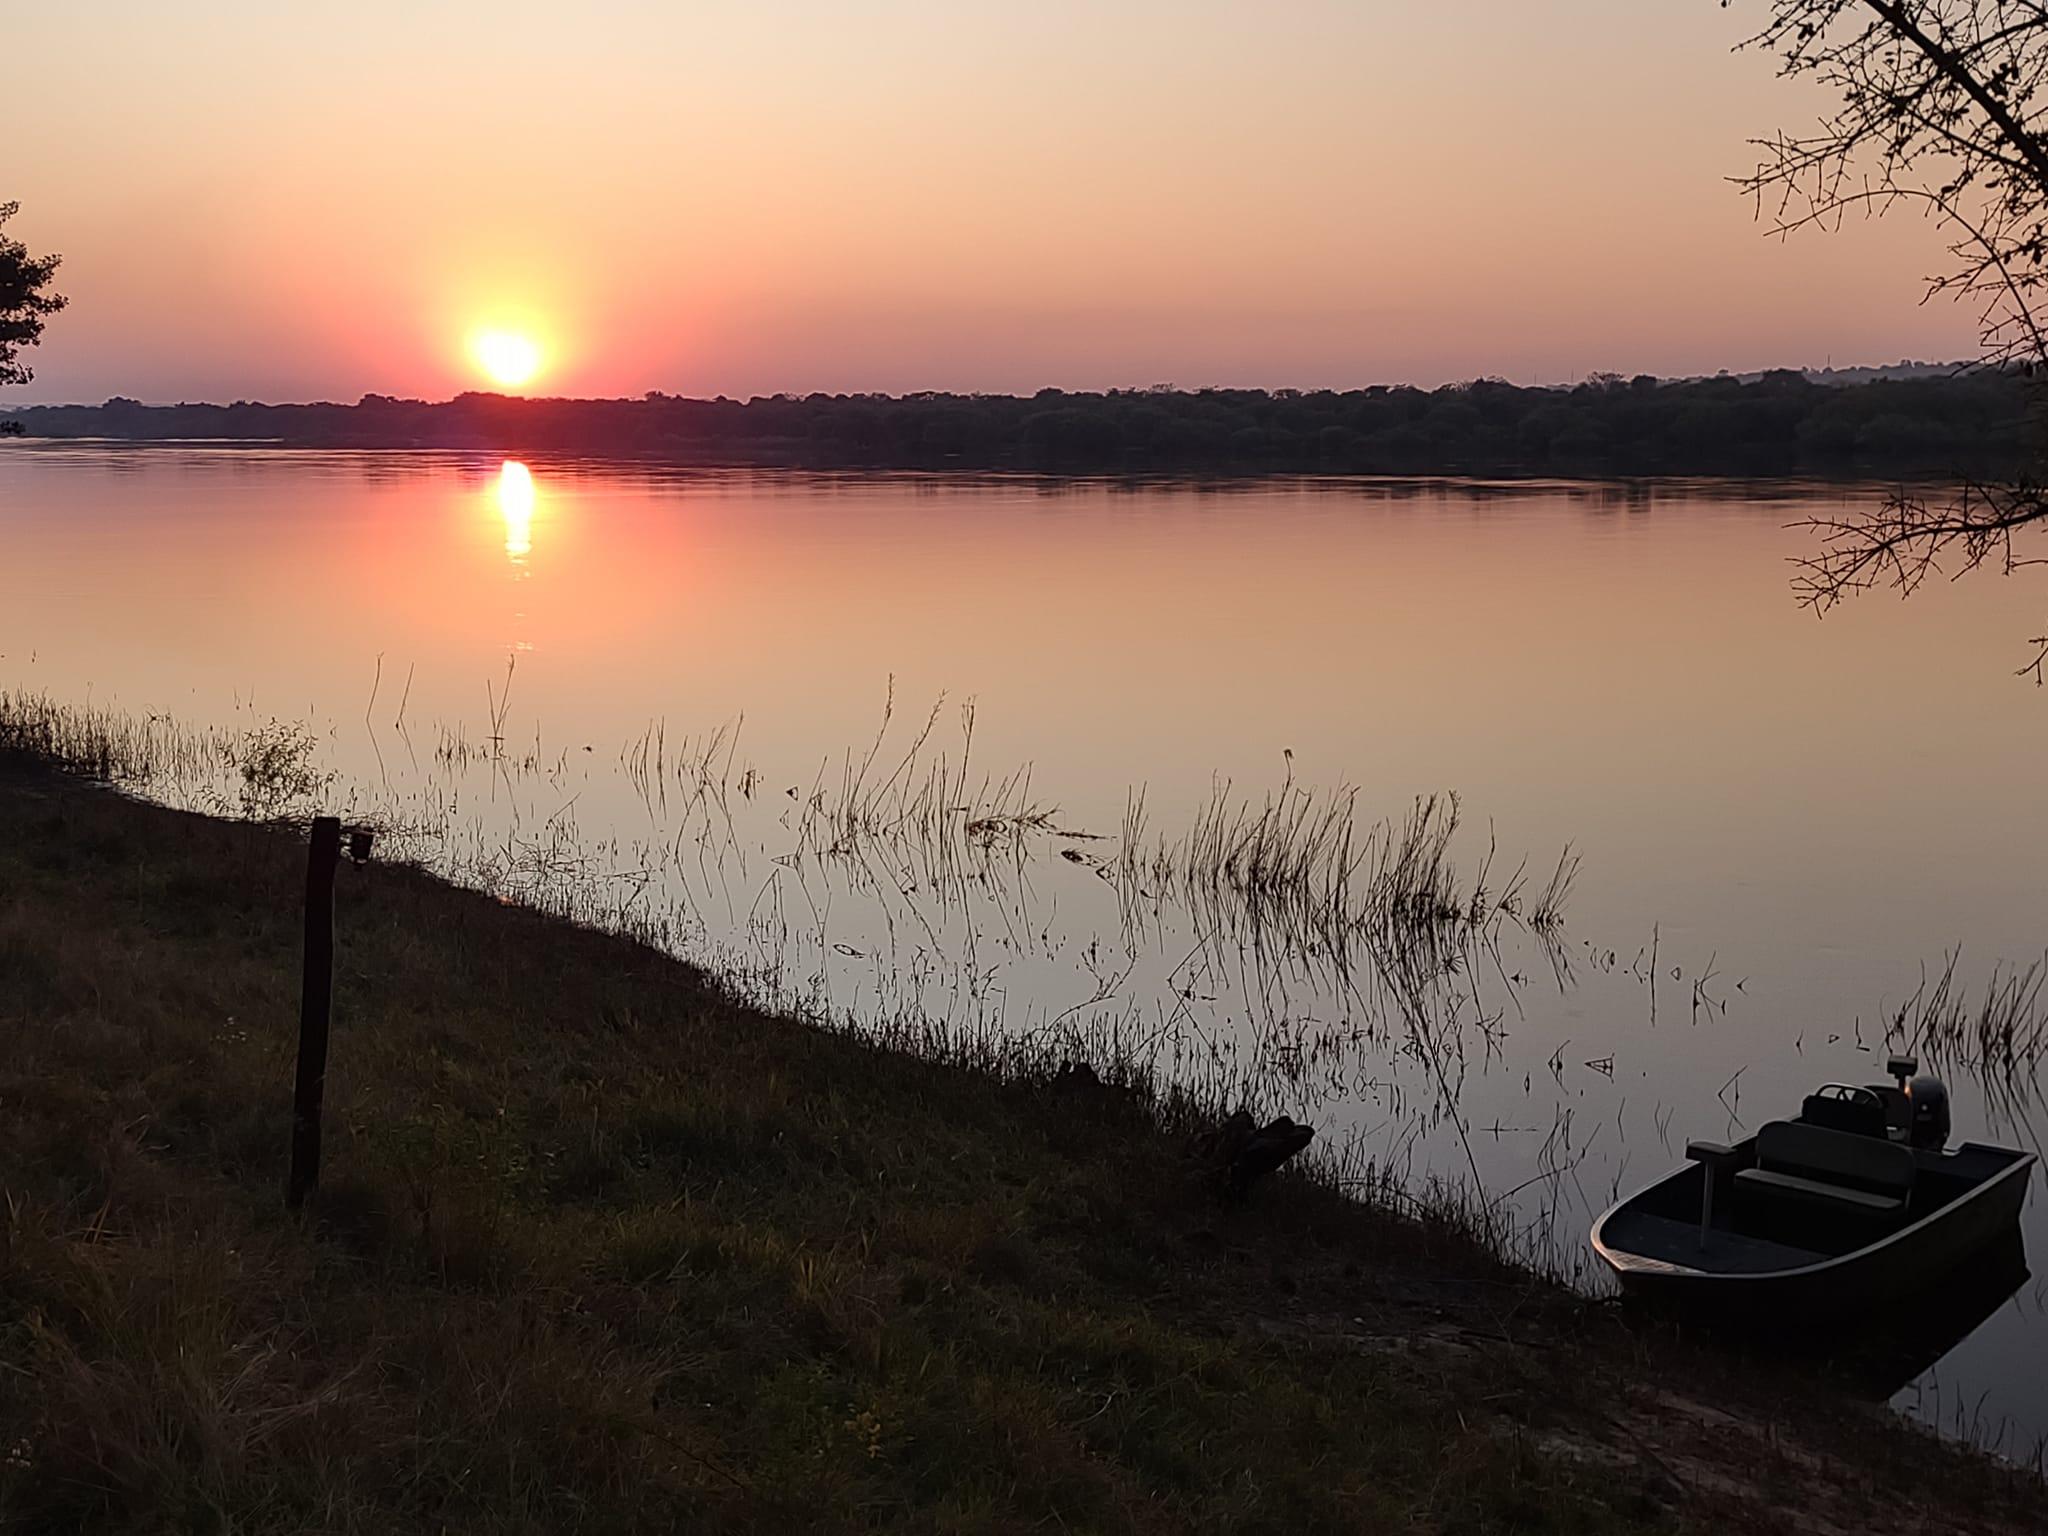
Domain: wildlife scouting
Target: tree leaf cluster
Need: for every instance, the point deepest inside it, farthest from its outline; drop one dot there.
(26, 301)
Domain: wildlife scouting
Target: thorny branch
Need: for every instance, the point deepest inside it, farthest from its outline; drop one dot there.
(1940, 106)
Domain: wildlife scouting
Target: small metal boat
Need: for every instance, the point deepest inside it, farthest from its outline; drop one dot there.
(1855, 1203)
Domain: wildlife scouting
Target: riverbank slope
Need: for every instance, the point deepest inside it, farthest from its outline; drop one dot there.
(600, 1250)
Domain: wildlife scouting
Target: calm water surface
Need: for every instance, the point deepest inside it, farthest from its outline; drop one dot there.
(1795, 817)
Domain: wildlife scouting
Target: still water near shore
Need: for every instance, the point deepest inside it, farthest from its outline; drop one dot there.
(663, 686)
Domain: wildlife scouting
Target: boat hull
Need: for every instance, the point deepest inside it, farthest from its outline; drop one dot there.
(1833, 1288)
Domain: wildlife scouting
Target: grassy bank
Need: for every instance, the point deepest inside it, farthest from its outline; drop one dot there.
(599, 1250)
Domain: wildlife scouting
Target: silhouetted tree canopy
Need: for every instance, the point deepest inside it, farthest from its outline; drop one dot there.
(1782, 423)
(25, 300)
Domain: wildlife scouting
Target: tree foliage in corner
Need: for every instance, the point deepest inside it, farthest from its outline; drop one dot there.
(25, 300)
(1941, 108)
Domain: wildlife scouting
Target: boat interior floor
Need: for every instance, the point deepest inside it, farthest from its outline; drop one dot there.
(1726, 1252)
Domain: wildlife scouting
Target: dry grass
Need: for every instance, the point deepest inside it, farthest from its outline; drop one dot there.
(2002, 1041)
(601, 1250)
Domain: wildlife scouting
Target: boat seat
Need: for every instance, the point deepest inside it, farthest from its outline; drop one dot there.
(1840, 1167)
(1859, 1111)
(1792, 1183)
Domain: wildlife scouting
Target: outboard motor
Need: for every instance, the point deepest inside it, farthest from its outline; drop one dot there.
(1930, 1112)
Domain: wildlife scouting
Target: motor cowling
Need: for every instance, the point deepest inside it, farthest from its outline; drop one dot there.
(1930, 1112)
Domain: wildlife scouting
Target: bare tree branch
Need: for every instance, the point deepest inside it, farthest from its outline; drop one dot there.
(1942, 106)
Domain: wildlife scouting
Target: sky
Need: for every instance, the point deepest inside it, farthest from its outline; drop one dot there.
(263, 201)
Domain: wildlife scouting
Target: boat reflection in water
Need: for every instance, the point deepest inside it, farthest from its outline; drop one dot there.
(1899, 1349)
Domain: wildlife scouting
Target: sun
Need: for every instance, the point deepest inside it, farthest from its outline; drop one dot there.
(507, 358)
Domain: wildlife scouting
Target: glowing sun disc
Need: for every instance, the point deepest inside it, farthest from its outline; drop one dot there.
(506, 357)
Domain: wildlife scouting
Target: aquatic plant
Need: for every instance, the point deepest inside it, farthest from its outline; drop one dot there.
(1263, 956)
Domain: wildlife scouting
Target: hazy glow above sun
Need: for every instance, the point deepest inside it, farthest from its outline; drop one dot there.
(507, 358)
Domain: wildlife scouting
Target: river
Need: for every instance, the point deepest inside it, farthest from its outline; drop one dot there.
(981, 759)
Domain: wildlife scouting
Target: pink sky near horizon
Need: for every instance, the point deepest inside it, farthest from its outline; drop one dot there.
(253, 202)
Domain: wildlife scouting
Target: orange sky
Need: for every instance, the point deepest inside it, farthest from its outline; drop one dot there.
(253, 203)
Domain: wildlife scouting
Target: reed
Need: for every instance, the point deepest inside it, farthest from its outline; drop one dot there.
(1256, 958)
(262, 771)
(602, 1251)
(2000, 1040)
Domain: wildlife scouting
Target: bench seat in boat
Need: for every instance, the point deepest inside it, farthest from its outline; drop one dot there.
(1792, 1183)
(1863, 1173)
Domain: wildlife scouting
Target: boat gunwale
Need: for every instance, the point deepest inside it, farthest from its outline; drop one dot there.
(1618, 1260)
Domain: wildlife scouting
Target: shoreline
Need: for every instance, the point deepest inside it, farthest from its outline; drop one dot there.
(1507, 483)
(750, 1267)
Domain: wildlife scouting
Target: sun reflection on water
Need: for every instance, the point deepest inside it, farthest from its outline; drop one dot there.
(515, 505)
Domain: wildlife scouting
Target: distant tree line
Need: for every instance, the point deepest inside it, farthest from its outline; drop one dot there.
(1965, 425)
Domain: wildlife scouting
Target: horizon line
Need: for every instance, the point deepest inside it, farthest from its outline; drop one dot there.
(1925, 366)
